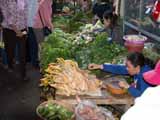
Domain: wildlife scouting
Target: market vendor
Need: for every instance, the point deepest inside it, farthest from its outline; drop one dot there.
(147, 106)
(112, 28)
(136, 65)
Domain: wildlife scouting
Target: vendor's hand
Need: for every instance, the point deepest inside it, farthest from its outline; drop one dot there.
(94, 66)
(124, 84)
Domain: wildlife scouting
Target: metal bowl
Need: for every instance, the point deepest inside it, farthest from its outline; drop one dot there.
(114, 88)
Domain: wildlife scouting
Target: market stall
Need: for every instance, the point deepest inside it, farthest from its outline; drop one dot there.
(67, 52)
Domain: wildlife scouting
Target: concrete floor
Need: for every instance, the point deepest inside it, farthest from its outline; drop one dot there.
(18, 99)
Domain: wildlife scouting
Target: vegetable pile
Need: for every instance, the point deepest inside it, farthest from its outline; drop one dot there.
(71, 23)
(98, 51)
(58, 44)
(68, 79)
(53, 111)
(79, 48)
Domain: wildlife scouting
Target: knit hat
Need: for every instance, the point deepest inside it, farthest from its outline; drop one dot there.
(153, 76)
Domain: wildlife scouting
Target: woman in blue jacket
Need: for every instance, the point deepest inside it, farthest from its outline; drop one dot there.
(136, 65)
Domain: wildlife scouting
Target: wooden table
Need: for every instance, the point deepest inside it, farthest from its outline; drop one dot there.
(105, 99)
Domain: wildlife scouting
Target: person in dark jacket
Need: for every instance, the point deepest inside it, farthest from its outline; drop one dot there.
(136, 65)
(99, 8)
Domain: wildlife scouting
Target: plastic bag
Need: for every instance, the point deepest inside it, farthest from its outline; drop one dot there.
(87, 110)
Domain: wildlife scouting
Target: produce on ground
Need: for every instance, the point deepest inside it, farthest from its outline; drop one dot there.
(69, 79)
(53, 111)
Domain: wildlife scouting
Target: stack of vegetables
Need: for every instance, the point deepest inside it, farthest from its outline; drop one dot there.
(84, 47)
(69, 79)
(99, 51)
(53, 111)
(58, 44)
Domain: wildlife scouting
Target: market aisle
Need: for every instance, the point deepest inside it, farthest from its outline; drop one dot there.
(18, 99)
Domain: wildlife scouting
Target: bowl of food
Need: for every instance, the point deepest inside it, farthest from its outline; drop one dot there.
(114, 88)
(134, 43)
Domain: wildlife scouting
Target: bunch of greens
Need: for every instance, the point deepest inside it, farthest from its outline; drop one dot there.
(76, 22)
(98, 51)
(61, 22)
(54, 112)
(71, 23)
(151, 54)
(57, 45)
(67, 23)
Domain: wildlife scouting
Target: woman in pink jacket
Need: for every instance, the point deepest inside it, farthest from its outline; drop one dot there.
(43, 19)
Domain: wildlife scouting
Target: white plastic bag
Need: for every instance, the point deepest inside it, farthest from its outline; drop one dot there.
(87, 110)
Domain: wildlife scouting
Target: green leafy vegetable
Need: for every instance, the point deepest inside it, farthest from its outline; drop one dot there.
(54, 112)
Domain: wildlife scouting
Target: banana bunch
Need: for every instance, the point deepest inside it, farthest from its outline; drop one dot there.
(69, 79)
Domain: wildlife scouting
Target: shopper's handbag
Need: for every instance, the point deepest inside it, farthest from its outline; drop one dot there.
(1, 39)
(46, 30)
